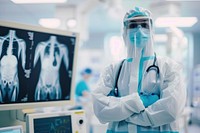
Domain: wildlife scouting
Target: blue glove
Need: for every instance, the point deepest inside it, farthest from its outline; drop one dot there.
(148, 99)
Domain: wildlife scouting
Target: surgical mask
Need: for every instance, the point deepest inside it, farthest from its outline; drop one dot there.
(138, 36)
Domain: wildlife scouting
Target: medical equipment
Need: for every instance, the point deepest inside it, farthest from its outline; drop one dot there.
(153, 67)
(38, 52)
(12, 129)
(65, 121)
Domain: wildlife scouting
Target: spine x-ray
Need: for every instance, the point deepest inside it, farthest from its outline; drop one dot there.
(34, 66)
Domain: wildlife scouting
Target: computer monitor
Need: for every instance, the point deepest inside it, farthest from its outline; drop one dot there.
(56, 122)
(37, 66)
(12, 129)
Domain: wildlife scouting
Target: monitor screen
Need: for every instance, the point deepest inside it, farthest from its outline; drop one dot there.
(54, 122)
(59, 124)
(36, 66)
(11, 129)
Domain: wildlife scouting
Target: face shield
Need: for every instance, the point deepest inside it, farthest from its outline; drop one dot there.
(138, 31)
(138, 35)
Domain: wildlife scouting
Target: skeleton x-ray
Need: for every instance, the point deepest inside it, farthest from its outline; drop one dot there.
(35, 66)
(11, 49)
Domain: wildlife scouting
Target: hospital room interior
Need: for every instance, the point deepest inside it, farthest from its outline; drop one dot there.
(88, 36)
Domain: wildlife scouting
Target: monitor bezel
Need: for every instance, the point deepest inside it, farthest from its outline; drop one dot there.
(12, 128)
(40, 104)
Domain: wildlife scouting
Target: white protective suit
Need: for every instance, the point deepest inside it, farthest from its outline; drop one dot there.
(126, 113)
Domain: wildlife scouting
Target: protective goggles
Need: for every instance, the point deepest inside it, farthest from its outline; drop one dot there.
(134, 24)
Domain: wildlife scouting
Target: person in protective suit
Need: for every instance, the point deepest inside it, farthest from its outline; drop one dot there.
(144, 93)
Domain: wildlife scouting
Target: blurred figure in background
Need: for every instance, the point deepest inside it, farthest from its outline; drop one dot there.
(82, 87)
(83, 96)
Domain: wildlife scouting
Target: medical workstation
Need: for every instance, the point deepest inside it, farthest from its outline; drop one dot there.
(57, 58)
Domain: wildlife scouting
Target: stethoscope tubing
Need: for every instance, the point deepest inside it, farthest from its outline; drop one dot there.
(152, 67)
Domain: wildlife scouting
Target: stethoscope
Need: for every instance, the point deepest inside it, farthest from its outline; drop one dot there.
(152, 67)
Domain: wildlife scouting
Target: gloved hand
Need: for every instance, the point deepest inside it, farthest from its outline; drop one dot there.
(148, 99)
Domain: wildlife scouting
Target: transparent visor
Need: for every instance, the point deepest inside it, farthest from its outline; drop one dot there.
(145, 25)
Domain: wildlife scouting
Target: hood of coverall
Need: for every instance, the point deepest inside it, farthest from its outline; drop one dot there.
(133, 51)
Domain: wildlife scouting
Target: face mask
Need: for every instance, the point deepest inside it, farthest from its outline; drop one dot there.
(139, 36)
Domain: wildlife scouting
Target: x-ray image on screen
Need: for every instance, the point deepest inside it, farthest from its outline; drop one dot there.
(51, 54)
(36, 64)
(51, 67)
(12, 49)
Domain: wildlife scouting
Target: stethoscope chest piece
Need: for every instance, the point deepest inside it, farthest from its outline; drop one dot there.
(151, 80)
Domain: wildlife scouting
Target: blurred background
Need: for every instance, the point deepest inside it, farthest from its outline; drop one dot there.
(99, 24)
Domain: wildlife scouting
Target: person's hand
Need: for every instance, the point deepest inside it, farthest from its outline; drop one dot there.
(148, 99)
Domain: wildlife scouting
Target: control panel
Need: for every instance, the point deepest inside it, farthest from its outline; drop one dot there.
(72, 121)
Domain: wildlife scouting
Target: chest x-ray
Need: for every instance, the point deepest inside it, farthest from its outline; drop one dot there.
(35, 66)
(51, 53)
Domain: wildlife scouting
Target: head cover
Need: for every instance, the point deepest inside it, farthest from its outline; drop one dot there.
(138, 34)
(86, 71)
(136, 12)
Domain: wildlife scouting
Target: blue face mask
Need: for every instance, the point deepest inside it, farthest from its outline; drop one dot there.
(138, 35)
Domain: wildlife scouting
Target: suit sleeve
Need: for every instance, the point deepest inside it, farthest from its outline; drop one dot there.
(110, 108)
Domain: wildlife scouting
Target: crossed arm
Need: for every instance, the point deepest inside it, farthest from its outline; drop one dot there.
(110, 108)
(131, 109)
(169, 106)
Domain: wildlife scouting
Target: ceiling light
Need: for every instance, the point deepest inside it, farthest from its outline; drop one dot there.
(183, 0)
(71, 23)
(175, 21)
(37, 1)
(50, 22)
